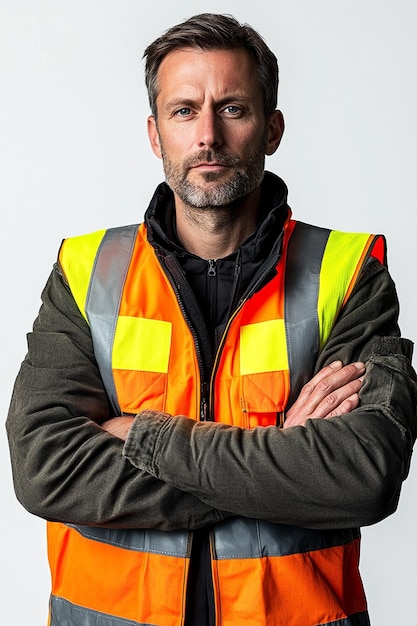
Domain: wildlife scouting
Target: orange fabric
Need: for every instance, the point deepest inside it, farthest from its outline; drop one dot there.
(78, 563)
(310, 588)
(183, 366)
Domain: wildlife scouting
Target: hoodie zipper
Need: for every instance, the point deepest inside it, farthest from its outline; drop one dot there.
(211, 291)
(212, 267)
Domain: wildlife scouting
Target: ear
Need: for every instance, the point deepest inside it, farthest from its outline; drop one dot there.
(275, 126)
(154, 136)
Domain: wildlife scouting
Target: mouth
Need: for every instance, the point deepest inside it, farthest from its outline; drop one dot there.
(212, 166)
(212, 160)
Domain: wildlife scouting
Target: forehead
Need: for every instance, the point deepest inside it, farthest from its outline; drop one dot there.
(189, 72)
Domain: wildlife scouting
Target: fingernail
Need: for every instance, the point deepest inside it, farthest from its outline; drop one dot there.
(359, 365)
(336, 364)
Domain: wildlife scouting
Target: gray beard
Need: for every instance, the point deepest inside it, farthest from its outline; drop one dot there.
(245, 179)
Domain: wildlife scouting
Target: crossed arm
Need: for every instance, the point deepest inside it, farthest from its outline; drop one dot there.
(174, 473)
(334, 390)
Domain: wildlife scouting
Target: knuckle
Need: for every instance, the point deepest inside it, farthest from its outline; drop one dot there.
(331, 399)
(349, 370)
(324, 384)
(308, 389)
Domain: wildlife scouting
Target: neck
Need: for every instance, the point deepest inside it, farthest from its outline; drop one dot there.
(214, 233)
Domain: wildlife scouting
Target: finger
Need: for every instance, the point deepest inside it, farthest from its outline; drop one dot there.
(322, 396)
(350, 403)
(322, 387)
(341, 406)
(334, 399)
(308, 389)
(342, 375)
(325, 372)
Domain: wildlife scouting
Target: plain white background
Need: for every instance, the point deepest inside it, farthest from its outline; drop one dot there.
(74, 157)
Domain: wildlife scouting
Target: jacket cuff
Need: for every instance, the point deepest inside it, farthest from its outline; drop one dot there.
(389, 346)
(142, 440)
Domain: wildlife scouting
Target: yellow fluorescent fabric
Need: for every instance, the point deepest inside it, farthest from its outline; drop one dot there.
(335, 277)
(142, 344)
(263, 347)
(77, 256)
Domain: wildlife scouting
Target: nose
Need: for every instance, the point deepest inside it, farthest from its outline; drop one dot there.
(209, 133)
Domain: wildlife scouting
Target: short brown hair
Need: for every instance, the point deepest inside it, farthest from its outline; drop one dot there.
(211, 31)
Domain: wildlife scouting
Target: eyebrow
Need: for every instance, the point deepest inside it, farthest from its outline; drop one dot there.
(179, 102)
(238, 98)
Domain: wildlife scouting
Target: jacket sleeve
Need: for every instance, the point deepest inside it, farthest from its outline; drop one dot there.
(65, 467)
(344, 471)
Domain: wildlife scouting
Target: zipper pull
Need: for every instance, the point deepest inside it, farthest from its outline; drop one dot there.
(203, 402)
(203, 410)
(212, 268)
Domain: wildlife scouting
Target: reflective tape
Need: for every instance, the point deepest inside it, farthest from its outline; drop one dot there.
(259, 539)
(103, 298)
(336, 277)
(174, 543)
(64, 613)
(359, 619)
(302, 280)
(77, 257)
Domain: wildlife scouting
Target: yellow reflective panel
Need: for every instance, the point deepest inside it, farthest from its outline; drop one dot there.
(263, 347)
(77, 256)
(341, 257)
(142, 344)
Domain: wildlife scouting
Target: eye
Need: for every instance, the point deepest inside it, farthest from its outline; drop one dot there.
(233, 110)
(183, 112)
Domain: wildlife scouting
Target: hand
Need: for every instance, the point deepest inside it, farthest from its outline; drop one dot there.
(118, 426)
(332, 391)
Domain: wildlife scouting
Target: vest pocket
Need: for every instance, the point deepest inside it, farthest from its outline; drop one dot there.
(263, 395)
(139, 390)
(140, 361)
(264, 375)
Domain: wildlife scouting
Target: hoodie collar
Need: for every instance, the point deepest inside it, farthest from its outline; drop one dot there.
(159, 219)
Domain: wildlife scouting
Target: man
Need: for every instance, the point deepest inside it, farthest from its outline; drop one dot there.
(162, 420)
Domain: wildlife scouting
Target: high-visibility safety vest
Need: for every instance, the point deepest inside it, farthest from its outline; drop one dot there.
(263, 573)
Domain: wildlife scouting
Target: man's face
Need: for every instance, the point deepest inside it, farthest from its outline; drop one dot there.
(211, 130)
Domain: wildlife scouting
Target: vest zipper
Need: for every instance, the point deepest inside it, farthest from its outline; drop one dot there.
(239, 306)
(174, 274)
(204, 402)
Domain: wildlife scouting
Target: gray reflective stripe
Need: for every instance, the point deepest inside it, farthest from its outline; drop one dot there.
(302, 280)
(359, 619)
(175, 543)
(64, 613)
(243, 538)
(104, 295)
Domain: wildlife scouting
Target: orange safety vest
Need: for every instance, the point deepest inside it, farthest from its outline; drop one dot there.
(263, 573)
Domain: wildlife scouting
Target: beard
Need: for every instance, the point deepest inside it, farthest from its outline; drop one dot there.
(245, 177)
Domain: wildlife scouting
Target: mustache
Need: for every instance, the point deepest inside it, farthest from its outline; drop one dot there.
(211, 156)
